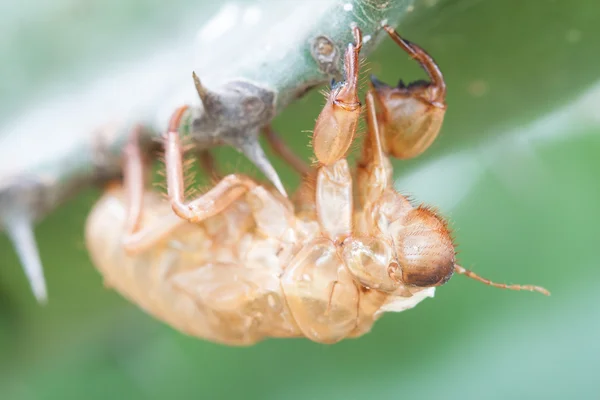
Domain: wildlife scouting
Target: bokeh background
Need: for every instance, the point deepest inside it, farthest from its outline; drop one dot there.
(515, 170)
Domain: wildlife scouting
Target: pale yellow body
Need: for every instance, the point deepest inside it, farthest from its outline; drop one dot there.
(222, 280)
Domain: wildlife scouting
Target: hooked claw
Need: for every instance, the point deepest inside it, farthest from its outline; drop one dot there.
(411, 116)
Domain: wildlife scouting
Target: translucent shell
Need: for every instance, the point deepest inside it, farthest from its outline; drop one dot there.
(336, 125)
(334, 129)
(241, 262)
(321, 293)
(409, 120)
(411, 116)
(371, 262)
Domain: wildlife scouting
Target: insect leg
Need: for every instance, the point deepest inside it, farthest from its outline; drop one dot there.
(336, 125)
(134, 239)
(425, 60)
(304, 197)
(226, 191)
(285, 152)
(134, 179)
(334, 200)
(374, 170)
(411, 115)
(148, 236)
(334, 132)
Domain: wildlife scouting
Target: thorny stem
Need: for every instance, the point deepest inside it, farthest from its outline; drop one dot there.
(87, 152)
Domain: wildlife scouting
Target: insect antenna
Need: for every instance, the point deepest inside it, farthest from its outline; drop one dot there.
(470, 274)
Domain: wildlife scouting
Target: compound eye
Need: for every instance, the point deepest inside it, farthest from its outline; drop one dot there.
(428, 274)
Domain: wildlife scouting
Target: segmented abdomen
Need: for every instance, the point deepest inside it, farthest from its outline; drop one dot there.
(194, 280)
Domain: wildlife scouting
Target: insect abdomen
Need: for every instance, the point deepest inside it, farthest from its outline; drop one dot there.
(191, 281)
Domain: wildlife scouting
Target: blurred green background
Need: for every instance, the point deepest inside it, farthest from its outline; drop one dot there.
(515, 169)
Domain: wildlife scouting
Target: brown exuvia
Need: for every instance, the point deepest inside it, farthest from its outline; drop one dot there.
(242, 262)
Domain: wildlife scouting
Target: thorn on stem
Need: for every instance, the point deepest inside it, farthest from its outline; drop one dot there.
(252, 150)
(202, 92)
(20, 232)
